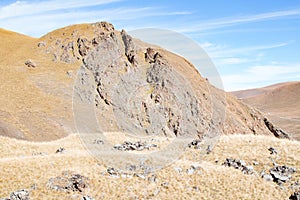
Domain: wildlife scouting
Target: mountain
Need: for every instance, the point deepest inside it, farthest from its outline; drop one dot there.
(280, 102)
(38, 76)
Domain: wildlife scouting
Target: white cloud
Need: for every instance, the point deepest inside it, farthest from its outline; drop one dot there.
(233, 61)
(221, 51)
(231, 21)
(24, 8)
(33, 19)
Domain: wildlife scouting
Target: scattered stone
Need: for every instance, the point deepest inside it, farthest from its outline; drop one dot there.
(39, 154)
(134, 146)
(295, 196)
(191, 170)
(272, 150)
(30, 63)
(178, 169)
(69, 73)
(152, 178)
(295, 186)
(41, 44)
(266, 176)
(156, 192)
(282, 173)
(196, 144)
(140, 175)
(34, 186)
(20, 195)
(60, 150)
(87, 198)
(196, 188)
(255, 163)
(113, 172)
(69, 182)
(239, 164)
(98, 141)
(165, 185)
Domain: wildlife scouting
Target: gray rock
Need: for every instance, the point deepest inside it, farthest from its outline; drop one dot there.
(60, 150)
(255, 163)
(295, 196)
(196, 144)
(69, 181)
(191, 170)
(276, 131)
(87, 198)
(20, 195)
(282, 173)
(113, 172)
(129, 48)
(41, 44)
(30, 63)
(267, 177)
(134, 146)
(152, 178)
(272, 150)
(239, 164)
(178, 169)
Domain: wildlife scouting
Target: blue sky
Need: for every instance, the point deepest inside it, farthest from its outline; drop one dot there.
(252, 43)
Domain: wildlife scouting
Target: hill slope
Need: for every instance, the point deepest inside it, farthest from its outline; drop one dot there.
(280, 102)
(37, 99)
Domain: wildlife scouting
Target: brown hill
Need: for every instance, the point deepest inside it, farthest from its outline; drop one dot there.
(280, 102)
(38, 76)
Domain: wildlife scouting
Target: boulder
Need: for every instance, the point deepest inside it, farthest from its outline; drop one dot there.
(20, 195)
(282, 173)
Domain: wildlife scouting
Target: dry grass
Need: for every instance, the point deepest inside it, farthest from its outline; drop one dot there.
(21, 169)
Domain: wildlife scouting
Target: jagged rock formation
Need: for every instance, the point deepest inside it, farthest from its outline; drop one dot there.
(141, 84)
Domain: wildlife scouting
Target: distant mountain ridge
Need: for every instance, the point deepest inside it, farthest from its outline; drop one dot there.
(280, 101)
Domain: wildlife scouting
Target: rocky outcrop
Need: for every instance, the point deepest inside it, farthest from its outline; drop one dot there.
(239, 164)
(282, 174)
(69, 181)
(276, 131)
(141, 84)
(134, 146)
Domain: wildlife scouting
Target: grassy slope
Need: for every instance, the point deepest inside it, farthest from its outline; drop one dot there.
(20, 170)
(280, 102)
(29, 97)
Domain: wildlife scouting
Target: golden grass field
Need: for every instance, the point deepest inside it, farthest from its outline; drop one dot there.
(21, 168)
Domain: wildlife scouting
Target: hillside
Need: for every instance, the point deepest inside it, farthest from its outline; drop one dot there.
(39, 75)
(280, 102)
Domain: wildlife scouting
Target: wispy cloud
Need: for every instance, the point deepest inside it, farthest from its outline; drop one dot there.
(25, 8)
(236, 20)
(221, 51)
(44, 16)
